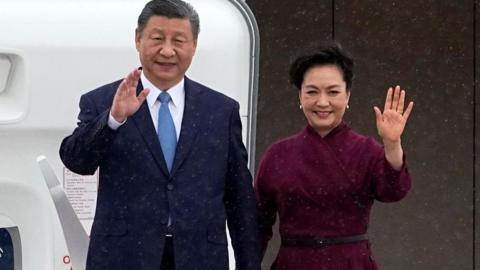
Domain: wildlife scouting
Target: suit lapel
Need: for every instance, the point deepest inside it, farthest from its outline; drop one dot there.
(190, 123)
(143, 120)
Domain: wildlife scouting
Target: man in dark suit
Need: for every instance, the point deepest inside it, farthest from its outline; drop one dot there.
(171, 158)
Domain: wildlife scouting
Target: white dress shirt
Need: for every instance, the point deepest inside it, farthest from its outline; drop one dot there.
(176, 104)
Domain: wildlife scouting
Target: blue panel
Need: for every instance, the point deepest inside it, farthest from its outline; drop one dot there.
(6, 250)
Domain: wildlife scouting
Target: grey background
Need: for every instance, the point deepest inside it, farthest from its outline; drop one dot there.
(428, 47)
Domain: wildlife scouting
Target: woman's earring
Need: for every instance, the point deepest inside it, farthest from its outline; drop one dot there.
(300, 106)
(348, 107)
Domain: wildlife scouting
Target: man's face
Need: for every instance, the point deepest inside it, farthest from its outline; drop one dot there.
(166, 47)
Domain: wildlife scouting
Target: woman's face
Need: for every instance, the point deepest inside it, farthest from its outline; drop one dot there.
(324, 97)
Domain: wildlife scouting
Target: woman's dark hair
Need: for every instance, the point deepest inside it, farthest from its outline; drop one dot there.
(172, 9)
(330, 53)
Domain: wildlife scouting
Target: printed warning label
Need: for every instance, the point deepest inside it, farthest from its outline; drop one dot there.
(81, 191)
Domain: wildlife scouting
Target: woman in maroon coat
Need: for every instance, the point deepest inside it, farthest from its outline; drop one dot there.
(323, 180)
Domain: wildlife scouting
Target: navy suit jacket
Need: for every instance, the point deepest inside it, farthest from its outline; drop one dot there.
(209, 183)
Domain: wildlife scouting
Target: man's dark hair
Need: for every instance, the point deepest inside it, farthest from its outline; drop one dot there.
(172, 9)
(330, 53)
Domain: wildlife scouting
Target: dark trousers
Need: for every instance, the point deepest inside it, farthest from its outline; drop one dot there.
(168, 260)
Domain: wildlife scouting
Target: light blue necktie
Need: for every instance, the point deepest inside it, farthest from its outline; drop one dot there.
(166, 130)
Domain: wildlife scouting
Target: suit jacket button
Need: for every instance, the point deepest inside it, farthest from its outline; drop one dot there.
(170, 186)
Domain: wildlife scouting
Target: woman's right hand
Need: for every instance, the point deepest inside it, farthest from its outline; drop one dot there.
(391, 122)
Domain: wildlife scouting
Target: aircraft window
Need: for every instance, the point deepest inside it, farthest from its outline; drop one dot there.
(5, 66)
(6, 250)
